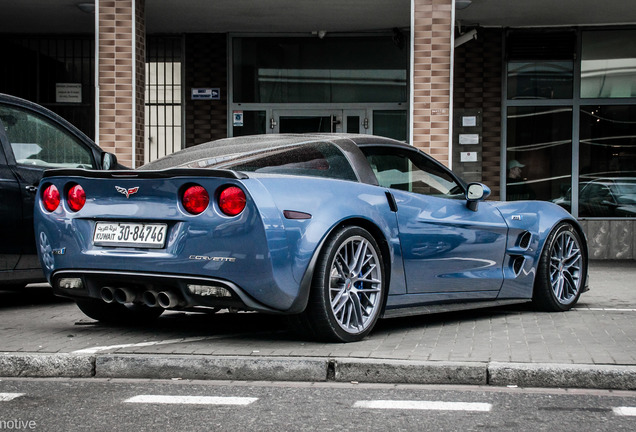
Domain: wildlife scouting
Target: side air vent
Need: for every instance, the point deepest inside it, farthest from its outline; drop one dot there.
(524, 240)
(517, 264)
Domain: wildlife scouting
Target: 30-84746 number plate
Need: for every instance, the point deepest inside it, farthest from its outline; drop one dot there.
(130, 234)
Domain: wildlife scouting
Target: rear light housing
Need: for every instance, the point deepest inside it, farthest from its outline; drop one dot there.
(76, 197)
(195, 199)
(51, 198)
(232, 200)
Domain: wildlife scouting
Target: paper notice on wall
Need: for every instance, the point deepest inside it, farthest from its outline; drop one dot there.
(68, 93)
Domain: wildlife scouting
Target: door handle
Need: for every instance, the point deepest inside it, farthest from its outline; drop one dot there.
(32, 189)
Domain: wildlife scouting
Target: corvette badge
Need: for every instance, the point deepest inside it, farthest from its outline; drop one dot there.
(128, 192)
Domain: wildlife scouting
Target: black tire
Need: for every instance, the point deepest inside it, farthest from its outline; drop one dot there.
(116, 313)
(347, 295)
(562, 271)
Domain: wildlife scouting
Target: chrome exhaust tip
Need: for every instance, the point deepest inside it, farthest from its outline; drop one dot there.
(168, 300)
(150, 298)
(107, 294)
(124, 295)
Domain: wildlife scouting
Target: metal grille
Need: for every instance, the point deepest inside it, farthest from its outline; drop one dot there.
(164, 118)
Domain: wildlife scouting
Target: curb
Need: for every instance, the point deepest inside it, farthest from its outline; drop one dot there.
(248, 368)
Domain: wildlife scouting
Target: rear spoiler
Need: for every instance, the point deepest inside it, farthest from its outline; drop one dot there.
(166, 173)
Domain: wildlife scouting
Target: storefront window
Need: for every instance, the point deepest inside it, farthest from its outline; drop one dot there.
(608, 64)
(313, 70)
(539, 153)
(540, 80)
(390, 124)
(607, 181)
(540, 64)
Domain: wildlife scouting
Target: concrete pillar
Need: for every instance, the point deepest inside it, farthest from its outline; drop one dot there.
(432, 39)
(121, 79)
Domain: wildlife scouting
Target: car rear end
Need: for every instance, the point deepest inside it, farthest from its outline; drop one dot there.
(177, 238)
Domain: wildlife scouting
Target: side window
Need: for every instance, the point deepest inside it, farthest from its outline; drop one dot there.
(37, 141)
(410, 171)
(318, 159)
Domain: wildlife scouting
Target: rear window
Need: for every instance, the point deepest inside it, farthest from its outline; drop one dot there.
(320, 159)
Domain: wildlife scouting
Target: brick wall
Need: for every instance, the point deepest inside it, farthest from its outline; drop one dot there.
(206, 67)
(120, 71)
(431, 76)
(140, 79)
(477, 85)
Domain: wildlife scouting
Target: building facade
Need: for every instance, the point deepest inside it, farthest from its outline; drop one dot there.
(535, 99)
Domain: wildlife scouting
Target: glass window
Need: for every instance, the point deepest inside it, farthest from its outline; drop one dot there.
(608, 64)
(539, 153)
(163, 111)
(607, 162)
(316, 160)
(249, 123)
(540, 64)
(410, 171)
(329, 70)
(390, 124)
(540, 79)
(37, 141)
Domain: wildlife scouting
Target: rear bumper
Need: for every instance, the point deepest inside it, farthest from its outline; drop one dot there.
(140, 287)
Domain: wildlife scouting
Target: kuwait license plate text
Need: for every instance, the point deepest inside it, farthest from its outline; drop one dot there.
(129, 234)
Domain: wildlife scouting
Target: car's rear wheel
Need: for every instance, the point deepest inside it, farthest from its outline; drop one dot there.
(562, 270)
(116, 313)
(348, 288)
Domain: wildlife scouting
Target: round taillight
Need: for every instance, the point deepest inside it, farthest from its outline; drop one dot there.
(195, 199)
(76, 198)
(51, 198)
(232, 200)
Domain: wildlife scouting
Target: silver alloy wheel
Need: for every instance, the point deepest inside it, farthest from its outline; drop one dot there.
(355, 285)
(566, 262)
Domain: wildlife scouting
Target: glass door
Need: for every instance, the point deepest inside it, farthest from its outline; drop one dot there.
(305, 121)
(319, 120)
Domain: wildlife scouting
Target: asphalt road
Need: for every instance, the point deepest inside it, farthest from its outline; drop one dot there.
(102, 405)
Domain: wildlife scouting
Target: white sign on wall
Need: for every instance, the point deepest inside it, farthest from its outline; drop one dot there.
(468, 156)
(469, 138)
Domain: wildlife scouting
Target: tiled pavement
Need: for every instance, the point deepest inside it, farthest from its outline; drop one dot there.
(600, 331)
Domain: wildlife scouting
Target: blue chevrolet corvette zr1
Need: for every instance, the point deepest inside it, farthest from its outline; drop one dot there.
(335, 231)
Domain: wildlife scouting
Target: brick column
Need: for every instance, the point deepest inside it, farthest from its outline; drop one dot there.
(432, 38)
(121, 76)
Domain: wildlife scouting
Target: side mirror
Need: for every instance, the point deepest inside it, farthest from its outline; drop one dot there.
(109, 161)
(474, 193)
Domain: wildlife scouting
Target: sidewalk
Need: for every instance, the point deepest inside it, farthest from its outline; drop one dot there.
(592, 346)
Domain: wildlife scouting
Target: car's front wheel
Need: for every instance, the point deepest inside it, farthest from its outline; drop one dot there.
(116, 313)
(562, 270)
(348, 288)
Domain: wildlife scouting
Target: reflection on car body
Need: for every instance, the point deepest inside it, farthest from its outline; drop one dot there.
(333, 230)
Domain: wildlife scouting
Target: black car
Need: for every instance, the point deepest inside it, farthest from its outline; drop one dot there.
(33, 139)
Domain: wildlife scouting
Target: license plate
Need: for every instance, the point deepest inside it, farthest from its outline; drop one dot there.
(130, 234)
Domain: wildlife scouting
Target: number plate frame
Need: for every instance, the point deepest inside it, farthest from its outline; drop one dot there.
(123, 234)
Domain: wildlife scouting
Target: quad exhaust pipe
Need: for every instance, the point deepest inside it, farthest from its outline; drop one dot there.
(163, 299)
